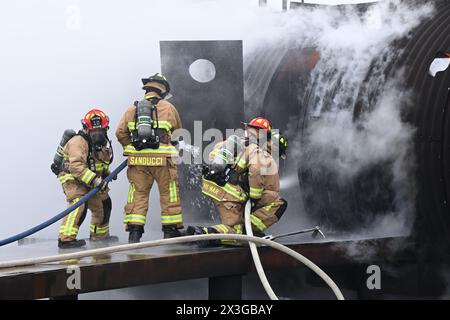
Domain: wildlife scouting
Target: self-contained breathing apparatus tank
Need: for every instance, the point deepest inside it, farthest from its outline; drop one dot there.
(58, 159)
(145, 135)
(222, 167)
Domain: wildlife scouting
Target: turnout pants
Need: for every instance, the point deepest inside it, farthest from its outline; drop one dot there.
(232, 216)
(141, 180)
(100, 206)
(263, 217)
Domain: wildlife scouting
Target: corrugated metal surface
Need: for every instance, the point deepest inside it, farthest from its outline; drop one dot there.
(259, 69)
(428, 113)
(432, 119)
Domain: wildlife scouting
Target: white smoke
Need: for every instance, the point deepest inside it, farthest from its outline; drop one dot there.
(379, 136)
(338, 137)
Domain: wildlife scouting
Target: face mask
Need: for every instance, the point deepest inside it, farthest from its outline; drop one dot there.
(98, 138)
(259, 137)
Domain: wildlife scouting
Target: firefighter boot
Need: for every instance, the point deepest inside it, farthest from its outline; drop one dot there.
(135, 233)
(256, 233)
(171, 232)
(72, 244)
(259, 234)
(191, 231)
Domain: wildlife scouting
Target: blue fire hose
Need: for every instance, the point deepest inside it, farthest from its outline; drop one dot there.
(58, 217)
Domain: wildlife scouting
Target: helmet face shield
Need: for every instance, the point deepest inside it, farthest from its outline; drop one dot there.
(157, 84)
(95, 119)
(154, 87)
(96, 122)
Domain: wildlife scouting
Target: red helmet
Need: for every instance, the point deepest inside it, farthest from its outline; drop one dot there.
(95, 119)
(260, 123)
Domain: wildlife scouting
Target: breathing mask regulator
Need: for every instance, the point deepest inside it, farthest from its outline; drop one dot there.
(98, 139)
(222, 167)
(97, 135)
(96, 126)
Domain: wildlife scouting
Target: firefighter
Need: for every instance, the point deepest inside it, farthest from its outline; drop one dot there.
(145, 132)
(264, 180)
(87, 156)
(243, 170)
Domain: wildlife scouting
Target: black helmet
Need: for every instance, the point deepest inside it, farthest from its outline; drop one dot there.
(157, 83)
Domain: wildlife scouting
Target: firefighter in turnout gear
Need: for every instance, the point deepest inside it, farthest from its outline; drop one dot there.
(145, 132)
(264, 180)
(246, 171)
(86, 159)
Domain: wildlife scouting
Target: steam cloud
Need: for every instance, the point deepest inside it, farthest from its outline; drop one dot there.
(379, 137)
(350, 120)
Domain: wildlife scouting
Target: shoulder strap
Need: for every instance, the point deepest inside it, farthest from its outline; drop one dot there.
(90, 158)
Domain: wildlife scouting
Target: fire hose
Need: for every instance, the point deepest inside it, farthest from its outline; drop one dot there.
(126, 247)
(58, 217)
(196, 238)
(255, 255)
(155, 243)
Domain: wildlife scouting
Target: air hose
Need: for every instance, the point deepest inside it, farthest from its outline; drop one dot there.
(196, 238)
(58, 217)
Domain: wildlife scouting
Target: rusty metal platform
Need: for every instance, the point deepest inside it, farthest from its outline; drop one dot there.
(181, 262)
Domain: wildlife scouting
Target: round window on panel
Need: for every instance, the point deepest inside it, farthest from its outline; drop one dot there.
(202, 71)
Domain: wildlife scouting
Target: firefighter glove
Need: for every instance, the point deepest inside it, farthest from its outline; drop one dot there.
(99, 183)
